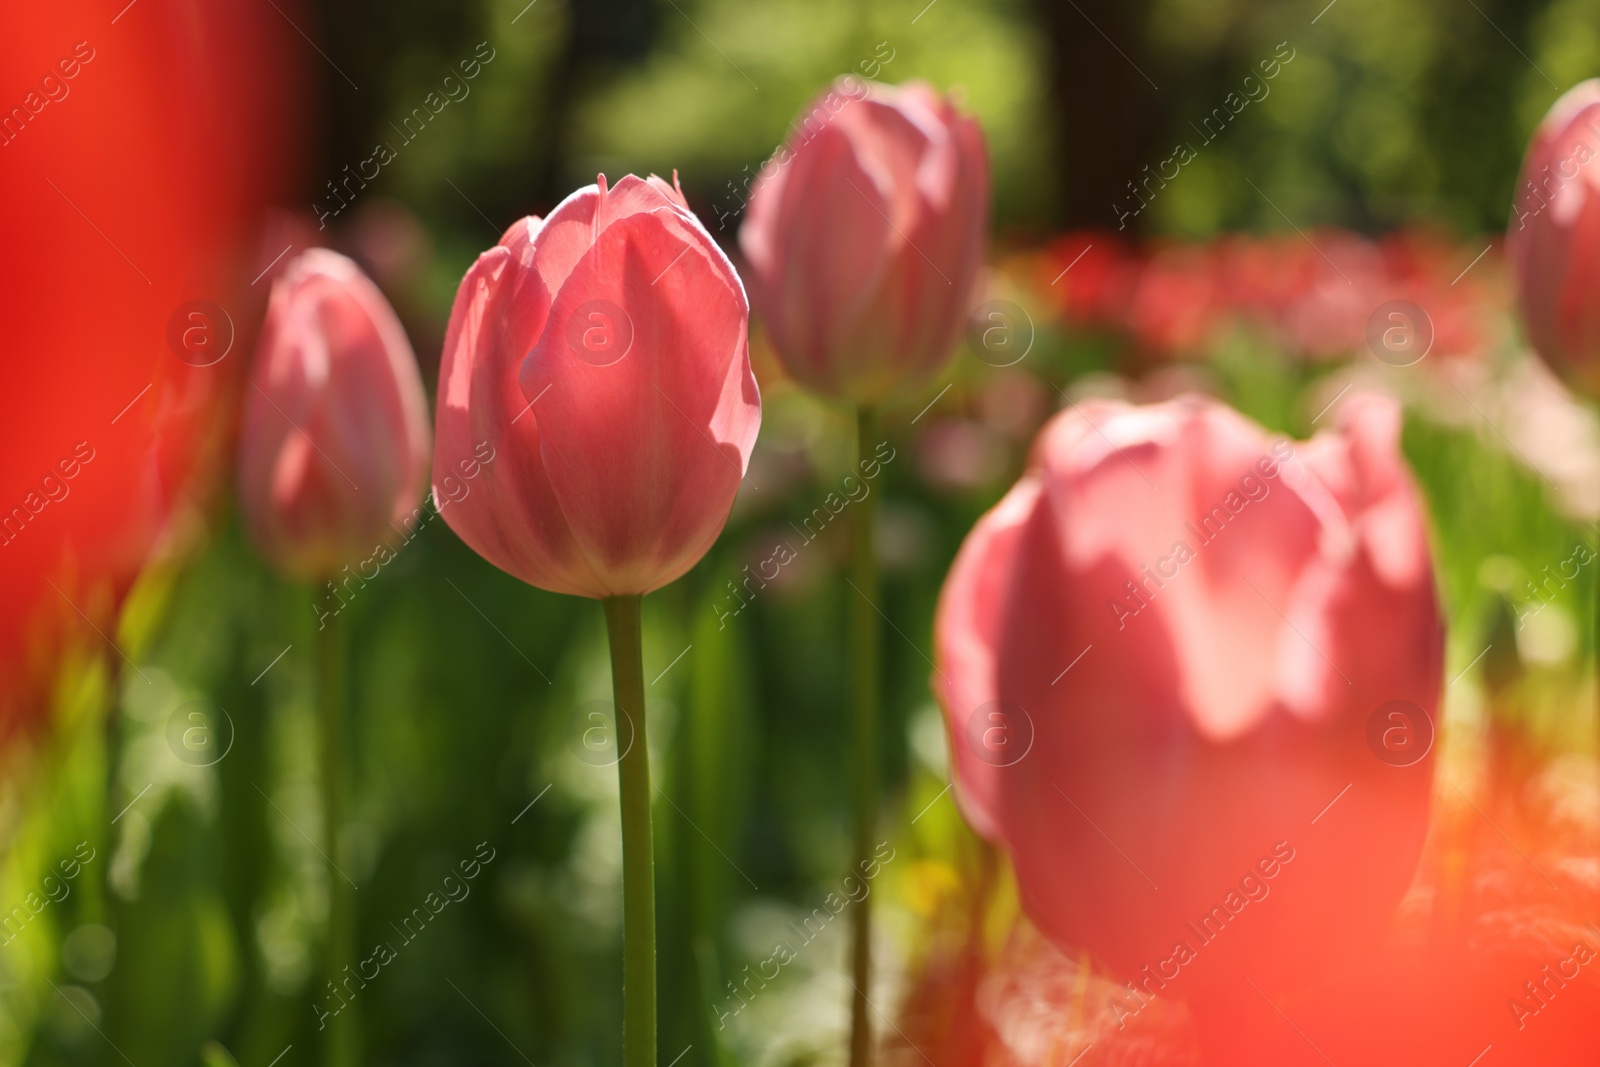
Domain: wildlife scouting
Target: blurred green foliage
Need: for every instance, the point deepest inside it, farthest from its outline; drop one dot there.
(1389, 111)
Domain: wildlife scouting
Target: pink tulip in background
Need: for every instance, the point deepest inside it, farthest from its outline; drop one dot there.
(619, 455)
(1553, 237)
(864, 238)
(334, 449)
(1189, 674)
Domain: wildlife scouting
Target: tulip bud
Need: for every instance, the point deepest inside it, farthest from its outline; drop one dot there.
(1553, 238)
(864, 237)
(618, 458)
(1190, 675)
(334, 448)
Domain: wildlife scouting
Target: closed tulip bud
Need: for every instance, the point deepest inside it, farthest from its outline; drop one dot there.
(617, 459)
(1190, 674)
(334, 447)
(1553, 238)
(864, 237)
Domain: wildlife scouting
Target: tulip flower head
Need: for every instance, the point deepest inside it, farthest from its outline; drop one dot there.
(864, 237)
(602, 351)
(1189, 674)
(1553, 239)
(334, 447)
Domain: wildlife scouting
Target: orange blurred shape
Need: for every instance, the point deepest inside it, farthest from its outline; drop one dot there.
(138, 142)
(1492, 961)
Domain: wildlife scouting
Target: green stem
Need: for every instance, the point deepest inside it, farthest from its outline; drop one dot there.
(343, 1038)
(101, 906)
(638, 860)
(864, 676)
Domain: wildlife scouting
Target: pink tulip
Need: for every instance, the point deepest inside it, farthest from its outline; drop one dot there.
(334, 448)
(1553, 239)
(619, 455)
(1166, 660)
(864, 237)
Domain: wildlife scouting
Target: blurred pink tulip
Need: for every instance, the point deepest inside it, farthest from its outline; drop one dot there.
(1553, 238)
(1190, 674)
(619, 456)
(334, 448)
(864, 237)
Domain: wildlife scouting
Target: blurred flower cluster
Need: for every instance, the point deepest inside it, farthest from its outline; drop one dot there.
(1312, 294)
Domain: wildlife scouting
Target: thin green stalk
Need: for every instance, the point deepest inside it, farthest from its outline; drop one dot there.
(343, 1035)
(638, 859)
(864, 677)
(101, 903)
(101, 906)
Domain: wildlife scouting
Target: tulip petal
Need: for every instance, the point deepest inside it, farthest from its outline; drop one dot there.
(931, 252)
(645, 449)
(815, 293)
(509, 514)
(1367, 602)
(1553, 239)
(1173, 502)
(865, 236)
(334, 445)
(569, 231)
(967, 629)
